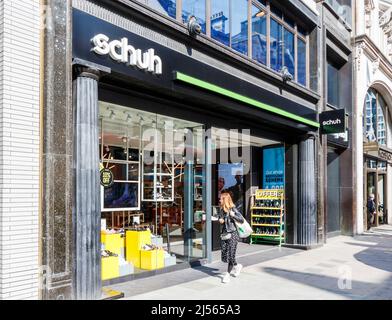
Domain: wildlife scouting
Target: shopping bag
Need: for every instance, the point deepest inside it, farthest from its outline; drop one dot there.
(244, 229)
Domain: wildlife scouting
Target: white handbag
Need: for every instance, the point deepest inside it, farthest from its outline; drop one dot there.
(244, 229)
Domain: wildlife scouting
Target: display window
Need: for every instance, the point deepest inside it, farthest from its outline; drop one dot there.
(153, 214)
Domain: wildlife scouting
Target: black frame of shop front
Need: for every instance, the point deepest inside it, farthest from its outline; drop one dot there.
(191, 90)
(115, 90)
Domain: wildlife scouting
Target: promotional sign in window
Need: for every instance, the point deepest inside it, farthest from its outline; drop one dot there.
(273, 168)
(230, 178)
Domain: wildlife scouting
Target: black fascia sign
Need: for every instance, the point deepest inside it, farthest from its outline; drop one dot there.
(332, 121)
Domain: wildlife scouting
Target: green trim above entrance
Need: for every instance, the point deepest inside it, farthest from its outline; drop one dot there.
(236, 96)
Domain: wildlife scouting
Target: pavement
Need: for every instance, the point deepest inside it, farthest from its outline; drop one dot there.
(353, 268)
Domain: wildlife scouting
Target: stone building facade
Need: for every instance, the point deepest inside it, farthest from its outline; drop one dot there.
(373, 100)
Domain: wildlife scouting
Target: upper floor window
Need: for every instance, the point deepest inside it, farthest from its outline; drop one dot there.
(342, 8)
(333, 84)
(374, 118)
(266, 34)
(167, 7)
(197, 9)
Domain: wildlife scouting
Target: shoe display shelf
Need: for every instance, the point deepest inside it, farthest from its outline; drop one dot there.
(267, 216)
(158, 176)
(198, 185)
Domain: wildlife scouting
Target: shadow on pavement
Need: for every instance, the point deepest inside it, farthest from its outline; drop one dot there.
(359, 289)
(212, 272)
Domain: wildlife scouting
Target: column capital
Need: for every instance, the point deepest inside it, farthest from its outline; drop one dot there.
(309, 135)
(87, 72)
(86, 69)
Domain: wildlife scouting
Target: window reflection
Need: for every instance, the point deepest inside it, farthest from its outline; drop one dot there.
(259, 35)
(333, 84)
(195, 8)
(229, 22)
(289, 54)
(301, 62)
(374, 118)
(220, 28)
(381, 129)
(342, 8)
(276, 45)
(167, 7)
(239, 26)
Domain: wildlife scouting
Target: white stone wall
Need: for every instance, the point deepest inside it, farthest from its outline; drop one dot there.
(19, 148)
(369, 73)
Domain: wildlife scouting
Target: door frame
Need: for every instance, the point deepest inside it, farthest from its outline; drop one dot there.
(378, 172)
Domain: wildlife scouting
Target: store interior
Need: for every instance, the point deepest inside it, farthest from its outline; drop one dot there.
(153, 214)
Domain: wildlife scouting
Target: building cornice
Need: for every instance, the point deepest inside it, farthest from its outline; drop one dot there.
(366, 45)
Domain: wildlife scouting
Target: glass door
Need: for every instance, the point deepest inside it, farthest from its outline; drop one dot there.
(371, 191)
(333, 191)
(381, 199)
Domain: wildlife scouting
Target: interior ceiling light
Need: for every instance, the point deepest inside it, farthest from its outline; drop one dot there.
(124, 139)
(260, 14)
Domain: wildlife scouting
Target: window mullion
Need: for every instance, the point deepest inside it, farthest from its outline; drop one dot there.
(179, 10)
(282, 28)
(307, 63)
(230, 23)
(376, 124)
(208, 18)
(268, 35)
(250, 29)
(295, 55)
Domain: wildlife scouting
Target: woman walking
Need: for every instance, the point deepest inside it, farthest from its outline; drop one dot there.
(228, 214)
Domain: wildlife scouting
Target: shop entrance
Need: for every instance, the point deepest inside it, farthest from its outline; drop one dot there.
(333, 191)
(246, 163)
(376, 186)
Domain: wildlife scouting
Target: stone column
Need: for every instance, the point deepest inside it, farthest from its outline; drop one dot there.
(56, 157)
(86, 208)
(307, 196)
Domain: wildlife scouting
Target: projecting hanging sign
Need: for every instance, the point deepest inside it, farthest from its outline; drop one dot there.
(333, 121)
(385, 154)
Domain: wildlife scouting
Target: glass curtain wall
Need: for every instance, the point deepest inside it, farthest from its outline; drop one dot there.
(284, 43)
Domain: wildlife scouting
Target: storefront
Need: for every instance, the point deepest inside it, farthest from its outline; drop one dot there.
(169, 132)
(376, 158)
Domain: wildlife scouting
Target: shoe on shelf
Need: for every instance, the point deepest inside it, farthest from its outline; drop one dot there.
(237, 270)
(226, 277)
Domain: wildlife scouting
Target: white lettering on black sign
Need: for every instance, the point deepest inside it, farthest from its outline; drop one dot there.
(121, 51)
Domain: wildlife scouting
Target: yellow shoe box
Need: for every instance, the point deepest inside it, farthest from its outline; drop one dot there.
(135, 240)
(110, 268)
(152, 259)
(133, 256)
(113, 242)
